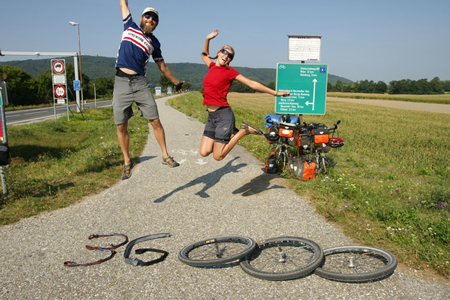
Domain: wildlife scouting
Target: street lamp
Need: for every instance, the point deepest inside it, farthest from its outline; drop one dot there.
(79, 54)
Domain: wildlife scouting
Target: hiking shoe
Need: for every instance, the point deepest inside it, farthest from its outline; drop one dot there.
(170, 162)
(251, 129)
(126, 173)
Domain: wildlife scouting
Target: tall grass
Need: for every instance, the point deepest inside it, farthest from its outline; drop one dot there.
(56, 162)
(390, 186)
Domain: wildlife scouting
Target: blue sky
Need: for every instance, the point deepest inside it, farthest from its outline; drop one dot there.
(374, 40)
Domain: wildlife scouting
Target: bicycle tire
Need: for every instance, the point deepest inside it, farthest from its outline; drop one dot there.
(281, 159)
(205, 253)
(365, 264)
(283, 258)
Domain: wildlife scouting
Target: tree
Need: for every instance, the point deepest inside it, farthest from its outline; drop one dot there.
(339, 86)
(381, 87)
(436, 86)
(446, 85)
(186, 86)
(164, 82)
(349, 88)
(104, 87)
(421, 87)
(21, 86)
(45, 87)
(329, 87)
(239, 87)
(271, 85)
(399, 87)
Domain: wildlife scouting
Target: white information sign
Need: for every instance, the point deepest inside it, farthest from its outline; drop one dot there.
(304, 48)
(59, 79)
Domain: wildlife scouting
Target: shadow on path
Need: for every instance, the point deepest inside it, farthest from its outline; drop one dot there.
(257, 185)
(144, 158)
(209, 180)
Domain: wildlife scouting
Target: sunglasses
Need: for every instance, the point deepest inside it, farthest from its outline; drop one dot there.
(151, 15)
(230, 55)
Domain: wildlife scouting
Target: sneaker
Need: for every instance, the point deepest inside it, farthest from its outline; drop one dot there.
(170, 162)
(126, 173)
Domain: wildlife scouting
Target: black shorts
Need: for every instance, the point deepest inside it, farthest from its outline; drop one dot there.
(220, 125)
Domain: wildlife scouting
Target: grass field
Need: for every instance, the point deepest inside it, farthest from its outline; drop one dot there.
(55, 163)
(390, 186)
(439, 99)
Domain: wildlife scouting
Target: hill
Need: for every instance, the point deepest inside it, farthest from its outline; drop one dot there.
(99, 66)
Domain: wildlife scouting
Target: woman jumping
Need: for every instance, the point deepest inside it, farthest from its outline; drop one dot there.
(221, 122)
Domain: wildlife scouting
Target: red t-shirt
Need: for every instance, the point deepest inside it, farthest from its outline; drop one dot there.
(216, 84)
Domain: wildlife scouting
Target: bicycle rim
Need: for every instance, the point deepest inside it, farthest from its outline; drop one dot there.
(216, 251)
(357, 264)
(283, 258)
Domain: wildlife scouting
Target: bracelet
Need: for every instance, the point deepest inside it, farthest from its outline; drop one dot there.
(275, 93)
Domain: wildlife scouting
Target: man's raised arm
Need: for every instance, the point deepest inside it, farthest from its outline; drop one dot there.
(124, 8)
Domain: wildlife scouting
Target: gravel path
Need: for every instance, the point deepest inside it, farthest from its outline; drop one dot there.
(200, 199)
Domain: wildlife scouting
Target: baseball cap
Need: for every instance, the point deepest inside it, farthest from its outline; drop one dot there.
(151, 10)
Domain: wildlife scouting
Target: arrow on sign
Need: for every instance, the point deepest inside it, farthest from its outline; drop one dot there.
(314, 93)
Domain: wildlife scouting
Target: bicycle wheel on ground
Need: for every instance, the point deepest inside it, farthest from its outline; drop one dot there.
(216, 251)
(357, 264)
(283, 258)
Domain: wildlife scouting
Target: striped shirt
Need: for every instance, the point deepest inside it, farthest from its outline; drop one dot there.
(136, 48)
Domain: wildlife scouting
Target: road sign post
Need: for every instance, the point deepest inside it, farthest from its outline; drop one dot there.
(59, 84)
(307, 85)
(5, 157)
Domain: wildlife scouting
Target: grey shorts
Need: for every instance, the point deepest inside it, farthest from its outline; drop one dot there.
(133, 89)
(220, 125)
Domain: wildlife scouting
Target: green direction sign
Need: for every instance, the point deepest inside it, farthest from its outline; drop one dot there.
(307, 85)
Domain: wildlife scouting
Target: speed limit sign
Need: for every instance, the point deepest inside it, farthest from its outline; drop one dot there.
(60, 91)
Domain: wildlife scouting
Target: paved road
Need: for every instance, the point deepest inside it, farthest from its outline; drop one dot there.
(16, 117)
(200, 199)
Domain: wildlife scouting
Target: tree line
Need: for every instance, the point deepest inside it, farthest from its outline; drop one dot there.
(404, 86)
(26, 90)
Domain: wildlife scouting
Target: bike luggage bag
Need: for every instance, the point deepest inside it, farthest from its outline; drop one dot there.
(303, 169)
(274, 119)
(321, 139)
(271, 119)
(321, 134)
(309, 170)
